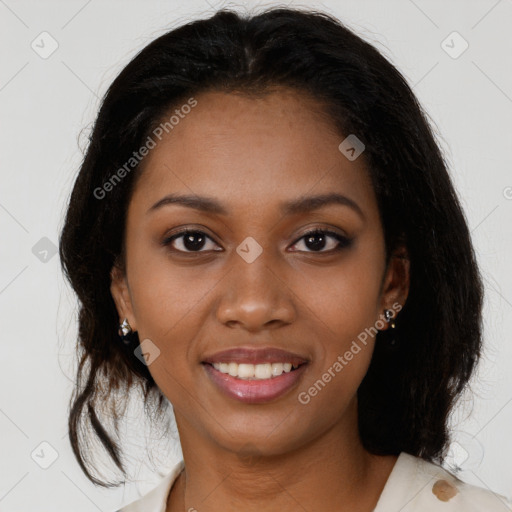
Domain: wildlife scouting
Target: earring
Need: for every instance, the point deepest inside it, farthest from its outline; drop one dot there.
(388, 314)
(125, 332)
(390, 335)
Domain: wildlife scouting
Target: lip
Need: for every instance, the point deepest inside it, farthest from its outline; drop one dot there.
(251, 355)
(255, 391)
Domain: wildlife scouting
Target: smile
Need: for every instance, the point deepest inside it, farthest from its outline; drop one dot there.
(254, 383)
(254, 371)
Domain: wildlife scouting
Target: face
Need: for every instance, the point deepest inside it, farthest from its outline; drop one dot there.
(260, 268)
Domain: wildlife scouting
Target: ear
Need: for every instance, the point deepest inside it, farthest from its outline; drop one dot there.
(121, 294)
(395, 286)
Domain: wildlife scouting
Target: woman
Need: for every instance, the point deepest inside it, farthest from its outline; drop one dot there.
(265, 216)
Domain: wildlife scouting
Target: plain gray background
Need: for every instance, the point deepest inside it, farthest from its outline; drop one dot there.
(47, 100)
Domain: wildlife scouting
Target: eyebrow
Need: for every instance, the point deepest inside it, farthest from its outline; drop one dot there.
(295, 206)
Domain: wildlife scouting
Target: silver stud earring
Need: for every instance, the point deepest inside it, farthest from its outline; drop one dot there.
(124, 328)
(389, 336)
(125, 332)
(388, 314)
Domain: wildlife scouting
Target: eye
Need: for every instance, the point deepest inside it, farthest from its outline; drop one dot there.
(189, 240)
(318, 239)
(193, 240)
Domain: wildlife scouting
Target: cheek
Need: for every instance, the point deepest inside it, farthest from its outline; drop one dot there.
(167, 305)
(165, 296)
(345, 299)
(343, 353)
(345, 308)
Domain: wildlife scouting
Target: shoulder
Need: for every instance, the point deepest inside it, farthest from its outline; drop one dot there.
(416, 485)
(156, 499)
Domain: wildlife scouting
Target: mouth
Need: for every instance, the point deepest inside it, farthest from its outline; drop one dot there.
(255, 375)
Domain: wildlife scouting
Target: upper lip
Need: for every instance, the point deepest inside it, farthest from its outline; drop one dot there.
(255, 356)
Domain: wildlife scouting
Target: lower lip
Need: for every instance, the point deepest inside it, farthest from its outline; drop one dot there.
(254, 391)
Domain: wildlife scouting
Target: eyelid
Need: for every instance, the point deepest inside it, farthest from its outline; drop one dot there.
(323, 229)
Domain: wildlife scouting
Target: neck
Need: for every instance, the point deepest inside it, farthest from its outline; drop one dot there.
(315, 476)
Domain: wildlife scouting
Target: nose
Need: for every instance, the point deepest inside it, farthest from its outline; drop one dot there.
(255, 296)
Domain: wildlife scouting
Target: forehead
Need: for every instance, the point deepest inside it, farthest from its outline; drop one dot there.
(242, 149)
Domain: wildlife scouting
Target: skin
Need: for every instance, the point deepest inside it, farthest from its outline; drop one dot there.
(252, 154)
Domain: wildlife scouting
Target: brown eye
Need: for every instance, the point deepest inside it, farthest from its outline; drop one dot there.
(188, 241)
(318, 239)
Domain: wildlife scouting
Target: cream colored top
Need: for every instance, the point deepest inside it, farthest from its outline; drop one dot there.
(413, 485)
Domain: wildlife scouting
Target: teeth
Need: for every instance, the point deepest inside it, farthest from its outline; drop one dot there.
(245, 371)
(277, 369)
(254, 371)
(233, 369)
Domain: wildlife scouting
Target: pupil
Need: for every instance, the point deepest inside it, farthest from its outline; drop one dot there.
(315, 245)
(189, 242)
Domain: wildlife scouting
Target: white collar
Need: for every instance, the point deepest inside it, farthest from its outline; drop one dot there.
(156, 499)
(409, 488)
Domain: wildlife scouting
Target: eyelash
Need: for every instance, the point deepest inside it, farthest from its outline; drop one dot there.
(343, 242)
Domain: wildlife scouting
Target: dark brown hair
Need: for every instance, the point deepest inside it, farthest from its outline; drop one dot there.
(408, 393)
